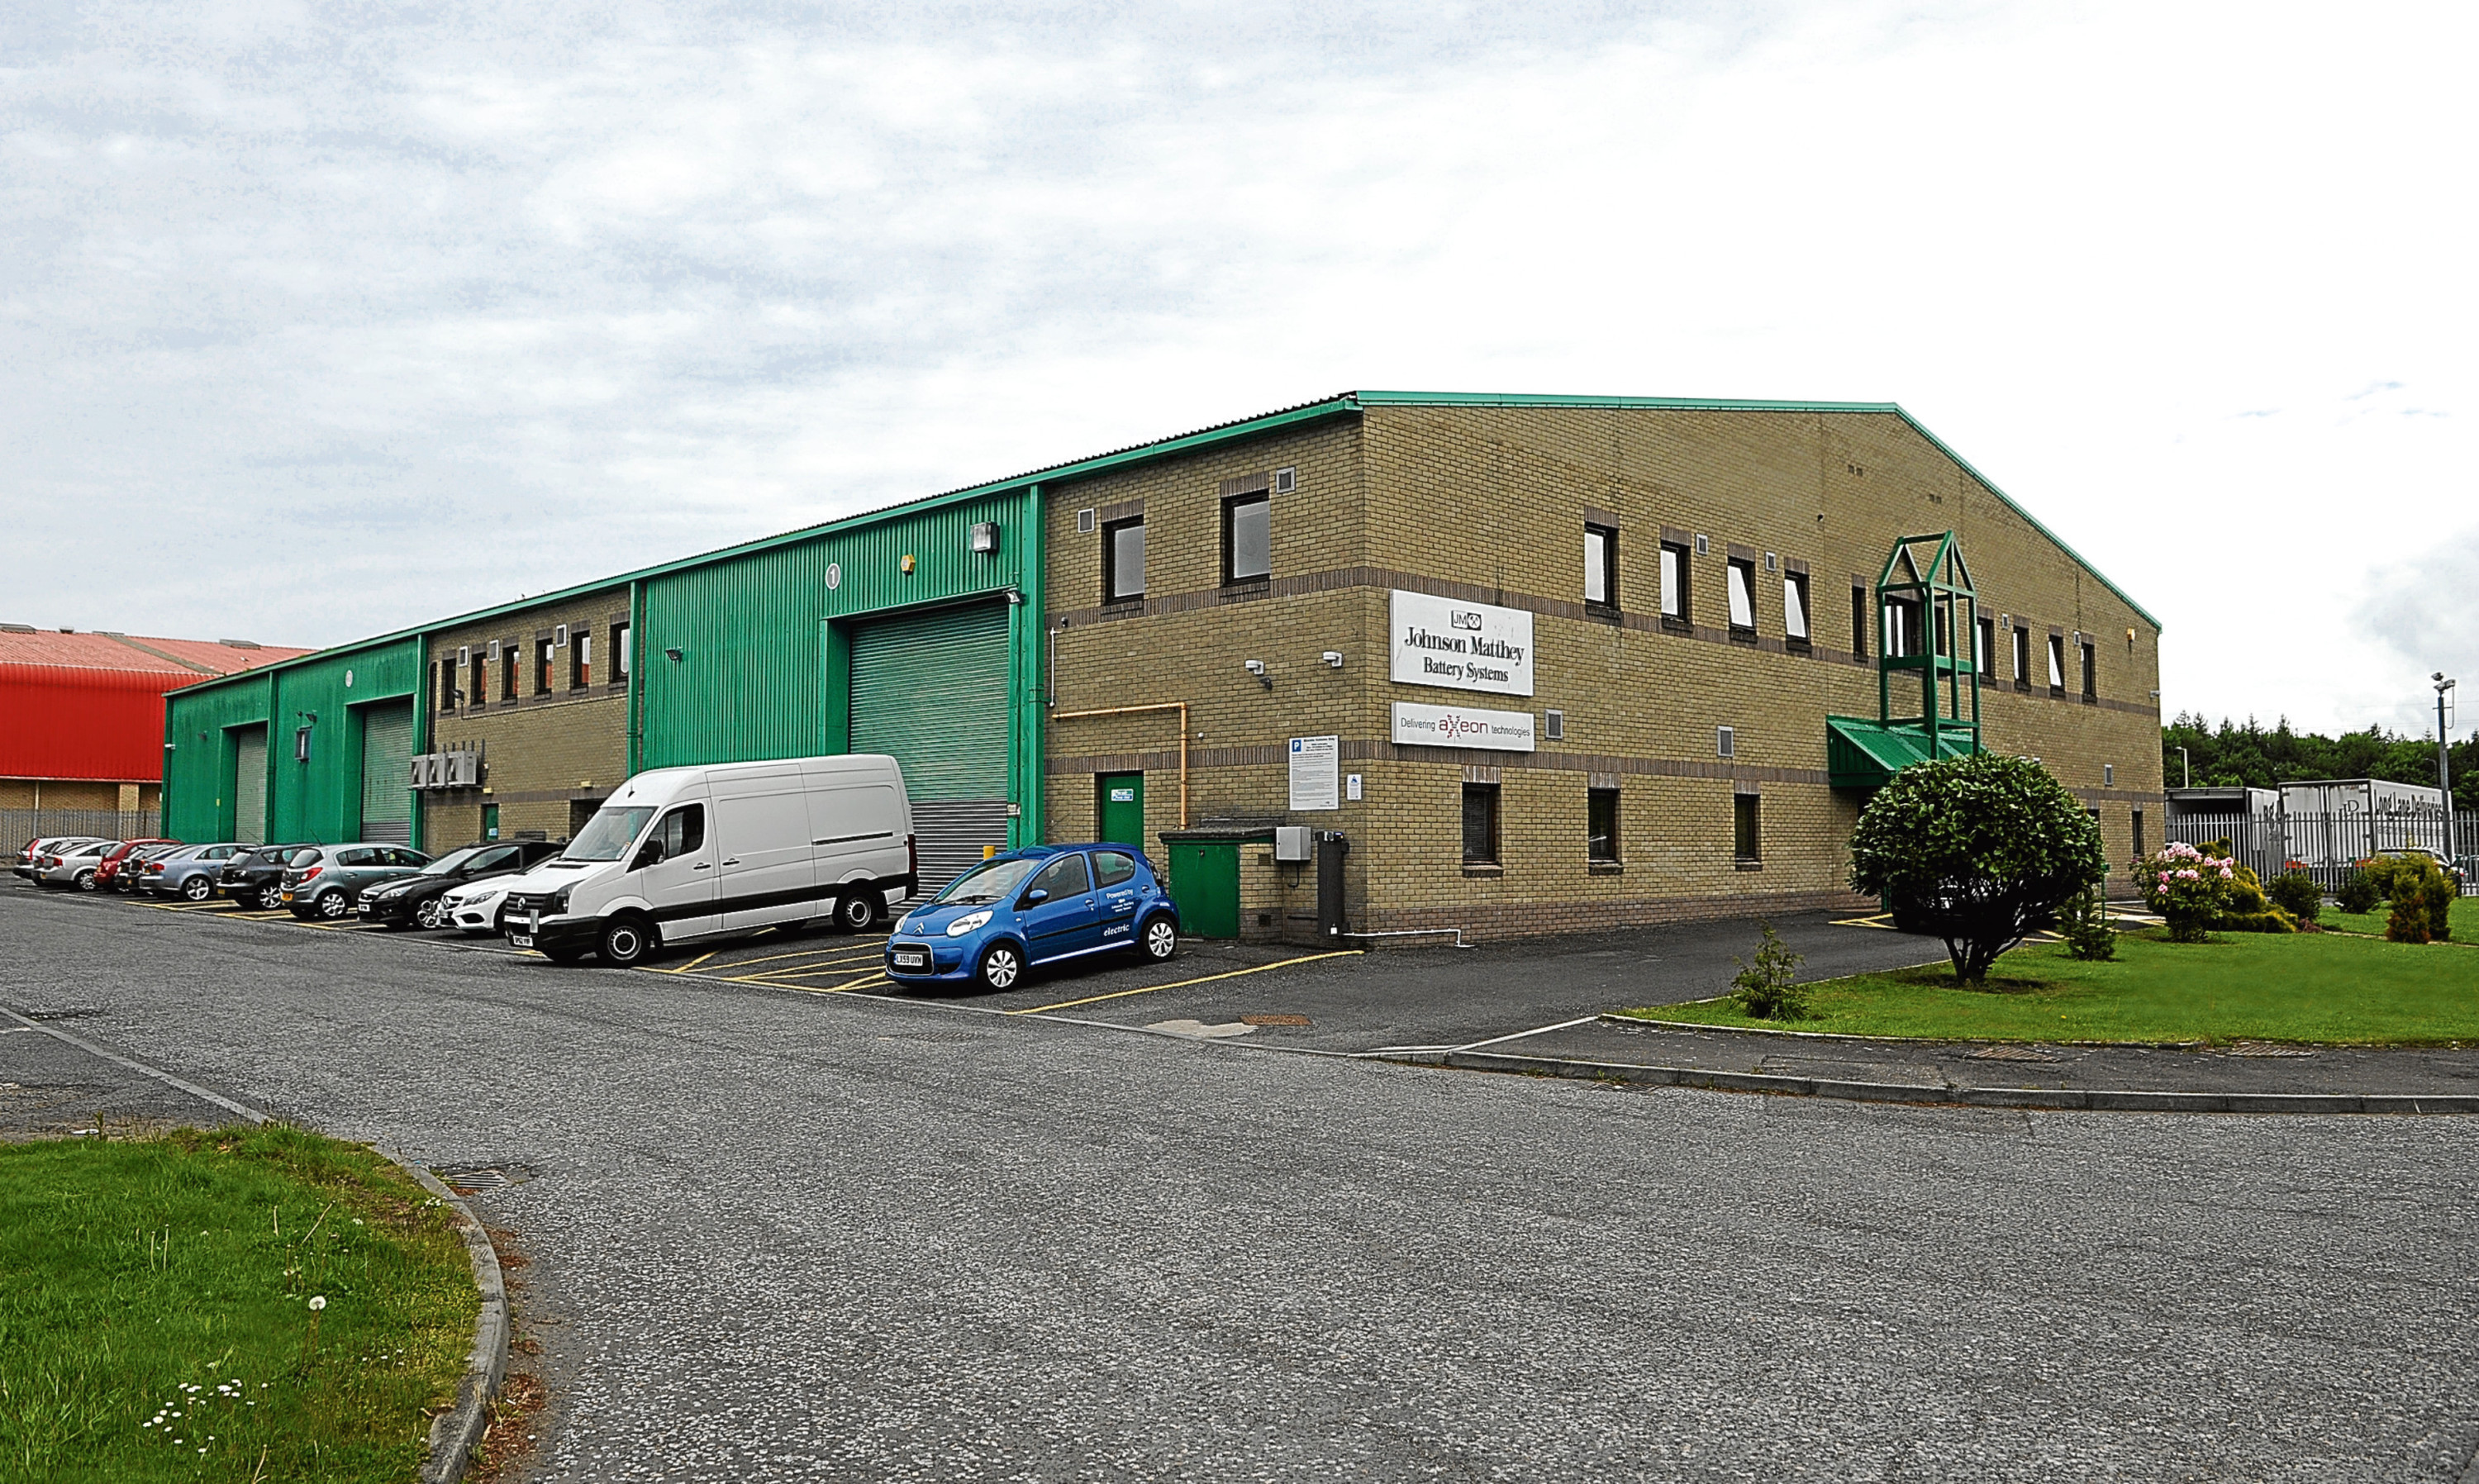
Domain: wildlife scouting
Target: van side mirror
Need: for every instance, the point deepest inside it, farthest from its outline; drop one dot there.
(1035, 897)
(650, 854)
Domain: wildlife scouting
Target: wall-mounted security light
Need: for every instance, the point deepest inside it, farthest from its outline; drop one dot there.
(985, 537)
(1257, 668)
(675, 656)
(1333, 660)
(905, 564)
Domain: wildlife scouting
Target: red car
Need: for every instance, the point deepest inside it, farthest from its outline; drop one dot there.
(107, 874)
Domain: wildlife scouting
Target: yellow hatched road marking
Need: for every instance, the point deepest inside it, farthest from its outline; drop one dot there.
(1182, 983)
(692, 964)
(806, 953)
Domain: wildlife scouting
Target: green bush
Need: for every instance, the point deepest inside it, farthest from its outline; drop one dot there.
(2296, 893)
(2188, 887)
(2421, 894)
(2271, 919)
(2083, 922)
(2360, 893)
(1767, 988)
(1979, 850)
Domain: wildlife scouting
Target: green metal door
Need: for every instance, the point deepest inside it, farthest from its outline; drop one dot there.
(930, 689)
(249, 784)
(1205, 883)
(1119, 809)
(387, 762)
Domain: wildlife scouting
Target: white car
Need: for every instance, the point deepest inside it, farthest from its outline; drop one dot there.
(476, 909)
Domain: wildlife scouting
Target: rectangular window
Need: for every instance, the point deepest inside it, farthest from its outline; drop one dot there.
(1742, 595)
(447, 685)
(2139, 834)
(542, 667)
(1983, 645)
(1858, 622)
(1601, 825)
(2022, 657)
(580, 659)
(2091, 672)
(2056, 664)
(1746, 842)
(1123, 561)
(1902, 627)
(1795, 605)
(508, 670)
(1945, 628)
(1600, 565)
(1247, 538)
(1480, 824)
(619, 652)
(1673, 583)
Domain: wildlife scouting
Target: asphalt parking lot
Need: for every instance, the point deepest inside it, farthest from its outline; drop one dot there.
(779, 1234)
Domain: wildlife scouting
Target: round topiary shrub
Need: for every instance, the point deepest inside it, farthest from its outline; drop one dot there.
(2359, 892)
(1978, 851)
(2296, 892)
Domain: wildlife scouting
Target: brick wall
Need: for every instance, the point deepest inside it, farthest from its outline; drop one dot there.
(547, 754)
(1489, 504)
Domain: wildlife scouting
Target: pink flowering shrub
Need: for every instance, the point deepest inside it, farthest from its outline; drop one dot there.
(2187, 887)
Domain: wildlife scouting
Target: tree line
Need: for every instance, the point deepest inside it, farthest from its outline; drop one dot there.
(2259, 756)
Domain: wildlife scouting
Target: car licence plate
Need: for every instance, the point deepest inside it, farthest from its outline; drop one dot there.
(915, 959)
(521, 940)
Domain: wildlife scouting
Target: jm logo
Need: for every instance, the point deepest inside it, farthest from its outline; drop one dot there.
(1462, 620)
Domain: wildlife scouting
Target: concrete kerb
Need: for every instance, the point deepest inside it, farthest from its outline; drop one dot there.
(2089, 1099)
(455, 1433)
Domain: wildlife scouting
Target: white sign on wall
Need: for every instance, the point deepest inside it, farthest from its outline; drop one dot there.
(1467, 646)
(1315, 777)
(1419, 726)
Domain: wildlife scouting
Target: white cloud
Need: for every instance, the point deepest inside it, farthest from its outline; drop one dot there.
(373, 323)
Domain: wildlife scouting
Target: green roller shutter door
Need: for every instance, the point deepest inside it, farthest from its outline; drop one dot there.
(387, 762)
(932, 690)
(249, 786)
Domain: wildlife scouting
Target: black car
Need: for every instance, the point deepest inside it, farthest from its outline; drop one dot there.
(256, 877)
(421, 899)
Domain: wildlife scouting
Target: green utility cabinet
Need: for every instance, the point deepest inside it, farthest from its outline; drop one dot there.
(1205, 883)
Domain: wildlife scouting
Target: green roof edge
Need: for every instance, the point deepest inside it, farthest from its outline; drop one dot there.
(1340, 404)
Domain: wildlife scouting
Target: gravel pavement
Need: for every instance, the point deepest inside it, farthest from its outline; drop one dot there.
(784, 1236)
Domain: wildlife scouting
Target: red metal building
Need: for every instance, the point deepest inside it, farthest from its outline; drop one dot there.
(82, 722)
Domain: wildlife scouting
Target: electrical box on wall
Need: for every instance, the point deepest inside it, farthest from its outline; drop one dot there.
(1292, 843)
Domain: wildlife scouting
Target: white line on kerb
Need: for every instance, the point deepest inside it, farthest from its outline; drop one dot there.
(139, 1067)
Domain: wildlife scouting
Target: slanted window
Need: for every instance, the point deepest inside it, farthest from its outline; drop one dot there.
(2056, 664)
(1111, 868)
(1858, 622)
(1745, 840)
(1247, 538)
(620, 655)
(1480, 824)
(580, 659)
(1983, 645)
(2022, 657)
(1600, 566)
(1062, 878)
(1601, 825)
(1123, 561)
(1742, 595)
(682, 831)
(1795, 606)
(2091, 672)
(1673, 583)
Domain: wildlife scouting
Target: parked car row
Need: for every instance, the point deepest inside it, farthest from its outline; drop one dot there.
(390, 885)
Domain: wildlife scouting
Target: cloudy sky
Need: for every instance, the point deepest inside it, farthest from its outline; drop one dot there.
(319, 320)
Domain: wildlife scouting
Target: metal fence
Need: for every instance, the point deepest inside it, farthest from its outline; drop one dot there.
(2326, 846)
(19, 826)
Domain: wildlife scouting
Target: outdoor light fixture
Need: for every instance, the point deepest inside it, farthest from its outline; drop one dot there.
(2443, 761)
(1257, 668)
(1333, 659)
(985, 535)
(674, 655)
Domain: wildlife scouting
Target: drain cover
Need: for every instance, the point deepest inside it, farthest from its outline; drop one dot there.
(2268, 1049)
(1276, 1019)
(2015, 1054)
(475, 1179)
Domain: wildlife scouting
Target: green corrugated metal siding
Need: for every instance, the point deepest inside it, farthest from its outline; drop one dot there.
(931, 689)
(387, 753)
(319, 800)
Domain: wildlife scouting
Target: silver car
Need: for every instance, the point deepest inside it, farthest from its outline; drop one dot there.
(188, 873)
(29, 859)
(73, 865)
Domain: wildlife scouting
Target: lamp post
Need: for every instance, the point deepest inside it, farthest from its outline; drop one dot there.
(2443, 761)
(2185, 770)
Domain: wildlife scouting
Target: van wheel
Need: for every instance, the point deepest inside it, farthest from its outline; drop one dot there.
(198, 889)
(1161, 939)
(1001, 966)
(857, 912)
(625, 942)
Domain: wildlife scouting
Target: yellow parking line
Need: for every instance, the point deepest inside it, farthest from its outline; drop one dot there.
(1121, 994)
(840, 948)
(692, 964)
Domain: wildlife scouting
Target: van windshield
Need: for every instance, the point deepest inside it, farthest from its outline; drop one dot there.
(607, 833)
(988, 882)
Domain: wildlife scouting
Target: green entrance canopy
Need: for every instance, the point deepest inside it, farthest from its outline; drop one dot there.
(1866, 754)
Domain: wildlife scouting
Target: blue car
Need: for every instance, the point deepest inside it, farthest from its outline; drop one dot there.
(1037, 905)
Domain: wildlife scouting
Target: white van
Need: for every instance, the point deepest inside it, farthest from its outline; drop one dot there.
(683, 854)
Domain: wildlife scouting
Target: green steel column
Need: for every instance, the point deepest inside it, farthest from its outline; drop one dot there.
(1026, 620)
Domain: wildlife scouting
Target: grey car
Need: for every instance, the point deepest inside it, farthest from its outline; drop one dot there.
(73, 865)
(189, 872)
(325, 880)
(29, 860)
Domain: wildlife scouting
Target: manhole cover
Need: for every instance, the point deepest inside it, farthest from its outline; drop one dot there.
(2267, 1049)
(475, 1179)
(2015, 1054)
(1276, 1020)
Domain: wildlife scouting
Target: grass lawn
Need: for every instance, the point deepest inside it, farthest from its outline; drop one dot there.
(2240, 986)
(2465, 919)
(156, 1318)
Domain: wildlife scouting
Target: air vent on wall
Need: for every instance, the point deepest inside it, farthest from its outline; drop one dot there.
(463, 655)
(1556, 726)
(559, 637)
(1084, 522)
(1704, 546)
(495, 650)
(1772, 564)
(1286, 480)
(1725, 741)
